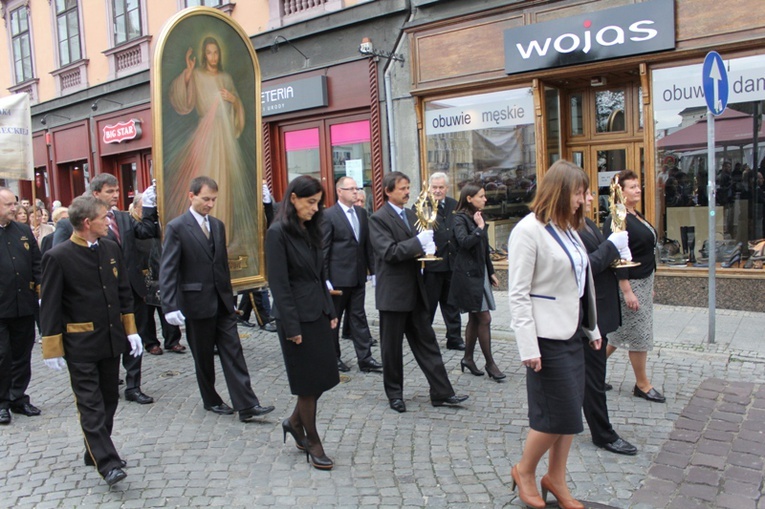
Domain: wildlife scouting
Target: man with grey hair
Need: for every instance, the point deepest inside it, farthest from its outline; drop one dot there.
(87, 323)
(124, 230)
(438, 275)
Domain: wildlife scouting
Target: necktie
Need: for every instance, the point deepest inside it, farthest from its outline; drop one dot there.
(205, 230)
(354, 223)
(113, 226)
(406, 221)
(93, 247)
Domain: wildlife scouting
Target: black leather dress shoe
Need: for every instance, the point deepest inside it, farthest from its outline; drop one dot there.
(455, 346)
(608, 387)
(89, 461)
(651, 395)
(243, 322)
(138, 397)
(269, 327)
(341, 366)
(451, 400)
(620, 446)
(222, 409)
(114, 476)
(398, 405)
(249, 414)
(370, 365)
(27, 409)
(5, 416)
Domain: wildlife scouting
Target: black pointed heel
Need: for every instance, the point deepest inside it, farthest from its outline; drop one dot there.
(287, 428)
(470, 365)
(496, 375)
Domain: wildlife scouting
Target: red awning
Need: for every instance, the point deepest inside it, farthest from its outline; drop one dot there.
(731, 128)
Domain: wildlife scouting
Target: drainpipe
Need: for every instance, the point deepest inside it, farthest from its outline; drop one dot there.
(388, 95)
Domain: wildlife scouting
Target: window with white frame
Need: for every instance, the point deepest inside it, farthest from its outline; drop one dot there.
(127, 20)
(68, 30)
(21, 41)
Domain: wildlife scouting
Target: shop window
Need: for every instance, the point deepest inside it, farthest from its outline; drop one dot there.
(130, 53)
(609, 115)
(302, 153)
(489, 140)
(577, 114)
(352, 154)
(683, 167)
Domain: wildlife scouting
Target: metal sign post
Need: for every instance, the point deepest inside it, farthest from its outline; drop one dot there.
(715, 83)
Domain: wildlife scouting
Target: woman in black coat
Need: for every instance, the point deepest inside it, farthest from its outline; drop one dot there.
(303, 310)
(472, 278)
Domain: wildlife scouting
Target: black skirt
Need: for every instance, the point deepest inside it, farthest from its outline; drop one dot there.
(556, 392)
(311, 365)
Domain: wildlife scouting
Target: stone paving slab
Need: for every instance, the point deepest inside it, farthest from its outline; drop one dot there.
(714, 455)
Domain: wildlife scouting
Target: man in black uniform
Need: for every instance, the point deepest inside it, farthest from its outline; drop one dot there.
(438, 275)
(124, 230)
(19, 283)
(87, 318)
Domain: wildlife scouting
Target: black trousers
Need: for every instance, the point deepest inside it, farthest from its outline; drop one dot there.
(352, 302)
(422, 341)
(96, 394)
(17, 339)
(595, 406)
(437, 286)
(132, 364)
(203, 335)
(170, 333)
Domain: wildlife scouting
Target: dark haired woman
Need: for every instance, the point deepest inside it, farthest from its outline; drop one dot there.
(303, 310)
(636, 285)
(552, 303)
(472, 278)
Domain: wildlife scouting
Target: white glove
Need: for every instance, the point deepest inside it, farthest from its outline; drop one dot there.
(373, 279)
(430, 248)
(425, 237)
(136, 345)
(625, 254)
(329, 285)
(149, 196)
(56, 363)
(619, 239)
(175, 318)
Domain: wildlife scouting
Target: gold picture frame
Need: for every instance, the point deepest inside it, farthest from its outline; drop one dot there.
(207, 121)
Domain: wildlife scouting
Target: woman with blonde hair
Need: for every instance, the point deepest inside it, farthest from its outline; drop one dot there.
(552, 303)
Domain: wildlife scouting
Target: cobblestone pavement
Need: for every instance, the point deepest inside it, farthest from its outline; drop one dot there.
(179, 455)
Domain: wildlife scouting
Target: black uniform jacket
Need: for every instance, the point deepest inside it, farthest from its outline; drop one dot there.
(87, 305)
(471, 264)
(192, 274)
(297, 280)
(346, 260)
(19, 271)
(396, 247)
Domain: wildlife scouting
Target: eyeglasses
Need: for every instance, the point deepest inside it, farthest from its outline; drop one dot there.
(351, 188)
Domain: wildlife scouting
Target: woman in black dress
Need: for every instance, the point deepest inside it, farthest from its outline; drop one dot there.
(303, 310)
(473, 277)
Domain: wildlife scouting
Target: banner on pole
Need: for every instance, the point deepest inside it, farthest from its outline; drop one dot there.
(16, 158)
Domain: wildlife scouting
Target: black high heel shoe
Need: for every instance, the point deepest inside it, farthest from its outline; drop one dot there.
(735, 259)
(470, 365)
(496, 375)
(287, 428)
(319, 462)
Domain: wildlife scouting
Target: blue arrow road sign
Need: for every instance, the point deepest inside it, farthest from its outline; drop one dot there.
(714, 78)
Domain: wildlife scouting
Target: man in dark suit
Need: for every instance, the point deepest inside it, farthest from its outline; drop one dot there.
(401, 299)
(347, 259)
(195, 285)
(20, 282)
(124, 230)
(602, 252)
(87, 318)
(438, 274)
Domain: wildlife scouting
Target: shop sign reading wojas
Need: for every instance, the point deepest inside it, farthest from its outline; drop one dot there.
(611, 33)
